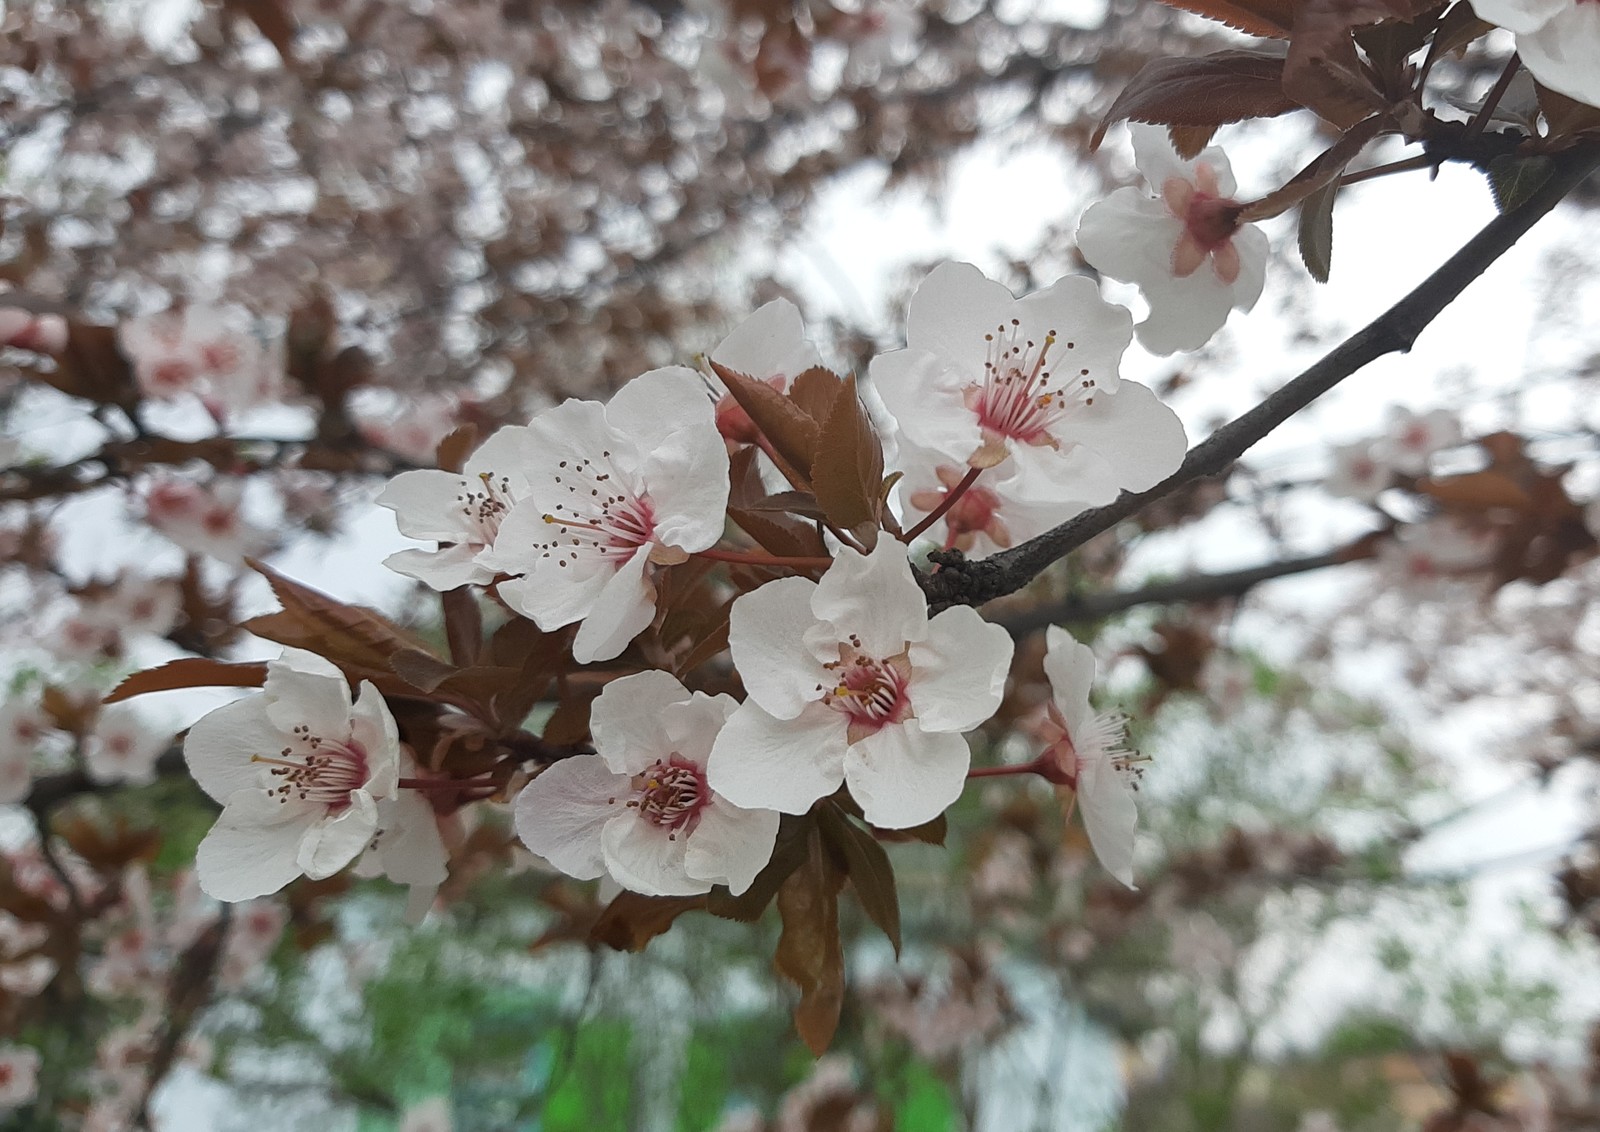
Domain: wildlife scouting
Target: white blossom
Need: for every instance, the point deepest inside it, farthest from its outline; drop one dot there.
(850, 682)
(301, 773)
(640, 810)
(1360, 471)
(123, 747)
(19, 1076)
(204, 519)
(1411, 439)
(1183, 247)
(1557, 40)
(1028, 387)
(1086, 751)
(771, 346)
(461, 511)
(615, 492)
(198, 350)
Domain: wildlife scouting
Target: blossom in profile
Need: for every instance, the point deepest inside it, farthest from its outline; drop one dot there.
(1557, 40)
(462, 511)
(1084, 752)
(1185, 247)
(640, 809)
(771, 346)
(1028, 387)
(850, 683)
(615, 493)
(300, 771)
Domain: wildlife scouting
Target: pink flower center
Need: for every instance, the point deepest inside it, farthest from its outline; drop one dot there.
(1209, 222)
(604, 521)
(171, 376)
(1020, 398)
(869, 690)
(221, 356)
(976, 512)
(671, 794)
(1415, 437)
(325, 774)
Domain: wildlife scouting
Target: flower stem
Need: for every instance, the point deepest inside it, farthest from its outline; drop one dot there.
(1004, 771)
(945, 504)
(1496, 93)
(1405, 165)
(758, 558)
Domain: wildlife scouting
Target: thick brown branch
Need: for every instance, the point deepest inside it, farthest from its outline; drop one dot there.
(960, 582)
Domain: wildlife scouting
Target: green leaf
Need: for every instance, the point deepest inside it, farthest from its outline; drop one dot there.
(871, 874)
(1513, 179)
(1316, 230)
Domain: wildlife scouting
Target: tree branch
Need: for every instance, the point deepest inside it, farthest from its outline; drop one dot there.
(1196, 587)
(960, 582)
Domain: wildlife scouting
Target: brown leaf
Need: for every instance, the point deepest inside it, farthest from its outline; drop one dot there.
(871, 874)
(789, 852)
(815, 391)
(422, 670)
(453, 450)
(1269, 18)
(189, 672)
(93, 367)
(463, 624)
(1188, 141)
(355, 638)
(1476, 491)
(1327, 166)
(809, 953)
(847, 470)
(1204, 91)
(569, 723)
(929, 832)
(792, 433)
(1323, 72)
(1566, 117)
(631, 920)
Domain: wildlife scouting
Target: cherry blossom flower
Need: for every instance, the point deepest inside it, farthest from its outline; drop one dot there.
(639, 809)
(850, 682)
(40, 333)
(1086, 752)
(19, 1076)
(1360, 471)
(1557, 40)
(615, 492)
(122, 747)
(463, 512)
(300, 771)
(144, 605)
(204, 519)
(991, 514)
(1029, 387)
(1184, 248)
(24, 728)
(414, 428)
(770, 346)
(1413, 438)
(196, 350)
(1422, 555)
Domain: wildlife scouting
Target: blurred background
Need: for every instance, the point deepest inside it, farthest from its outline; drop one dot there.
(1368, 887)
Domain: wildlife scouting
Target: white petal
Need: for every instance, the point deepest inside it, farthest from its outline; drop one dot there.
(375, 730)
(622, 610)
(251, 851)
(1130, 236)
(551, 593)
(730, 846)
(691, 727)
(1184, 313)
(762, 763)
(220, 745)
(959, 671)
(1092, 334)
(506, 457)
(1141, 439)
(954, 306)
(442, 569)
(409, 846)
(1069, 666)
(923, 392)
(1520, 16)
(1253, 247)
(1109, 816)
(426, 504)
(626, 723)
(873, 597)
(559, 815)
(686, 478)
(330, 845)
(765, 631)
(769, 343)
(903, 776)
(1564, 54)
(643, 857)
(305, 690)
(1157, 160)
(655, 405)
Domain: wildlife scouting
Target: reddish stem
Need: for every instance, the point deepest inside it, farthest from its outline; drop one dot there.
(760, 558)
(945, 504)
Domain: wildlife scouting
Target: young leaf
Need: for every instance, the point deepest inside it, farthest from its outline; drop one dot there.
(1270, 19)
(189, 672)
(1513, 179)
(452, 452)
(847, 474)
(1316, 230)
(871, 874)
(809, 954)
(815, 391)
(631, 920)
(792, 433)
(348, 635)
(1203, 91)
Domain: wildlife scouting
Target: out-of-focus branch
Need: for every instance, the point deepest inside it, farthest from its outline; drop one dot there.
(1195, 587)
(960, 582)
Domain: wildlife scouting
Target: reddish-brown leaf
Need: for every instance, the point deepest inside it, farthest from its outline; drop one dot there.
(458, 444)
(792, 433)
(569, 723)
(1271, 19)
(422, 670)
(815, 391)
(809, 953)
(93, 367)
(1203, 91)
(1188, 141)
(463, 624)
(1323, 72)
(351, 636)
(789, 852)
(847, 472)
(1476, 491)
(631, 920)
(189, 672)
(871, 874)
(1567, 117)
